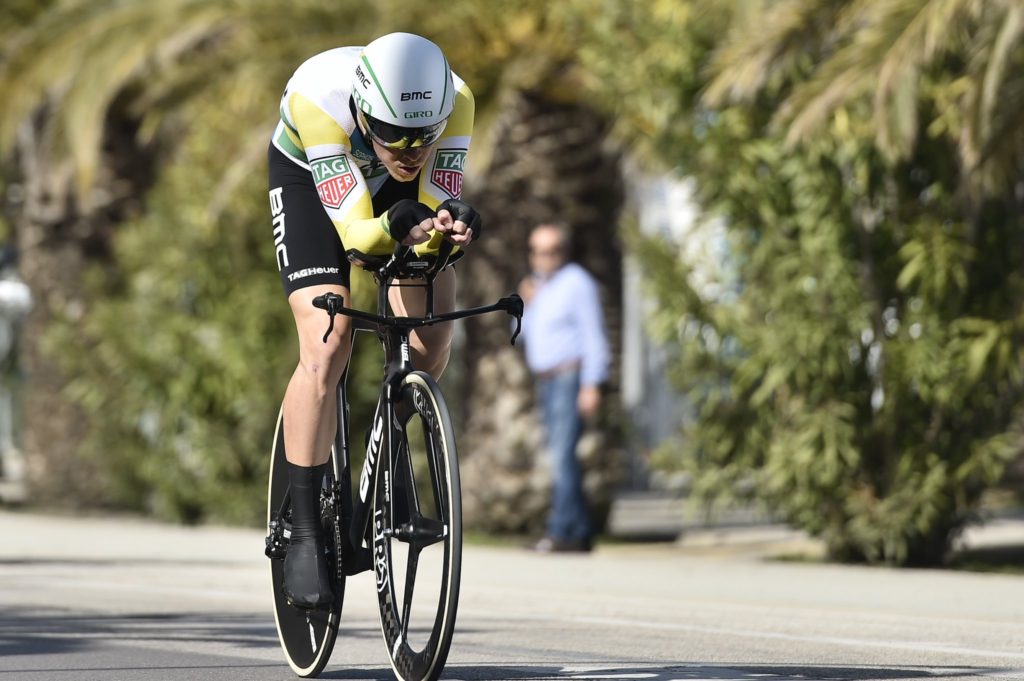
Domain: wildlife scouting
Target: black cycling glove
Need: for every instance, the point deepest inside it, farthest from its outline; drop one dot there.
(403, 216)
(461, 210)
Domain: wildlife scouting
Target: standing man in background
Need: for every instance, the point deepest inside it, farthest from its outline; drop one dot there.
(567, 351)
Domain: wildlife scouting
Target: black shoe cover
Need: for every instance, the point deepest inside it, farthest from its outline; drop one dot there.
(307, 583)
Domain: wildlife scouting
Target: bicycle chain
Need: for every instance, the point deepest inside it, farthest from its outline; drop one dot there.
(329, 521)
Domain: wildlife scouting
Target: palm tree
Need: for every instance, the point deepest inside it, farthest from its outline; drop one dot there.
(887, 52)
(97, 94)
(545, 157)
(548, 168)
(890, 101)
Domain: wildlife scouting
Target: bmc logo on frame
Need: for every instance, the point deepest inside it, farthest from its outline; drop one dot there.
(334, 179)
(447, 171)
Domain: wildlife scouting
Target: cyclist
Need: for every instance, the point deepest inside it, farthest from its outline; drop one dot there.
(369, 151)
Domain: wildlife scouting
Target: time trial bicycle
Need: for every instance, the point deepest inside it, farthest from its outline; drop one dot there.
(404, 519)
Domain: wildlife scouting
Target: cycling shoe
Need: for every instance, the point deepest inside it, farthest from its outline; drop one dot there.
(307, 582)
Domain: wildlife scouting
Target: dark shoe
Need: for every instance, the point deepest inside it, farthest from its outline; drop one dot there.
(552, 545)
(307, 583)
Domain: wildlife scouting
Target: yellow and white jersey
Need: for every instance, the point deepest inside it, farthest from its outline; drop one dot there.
(318, 131)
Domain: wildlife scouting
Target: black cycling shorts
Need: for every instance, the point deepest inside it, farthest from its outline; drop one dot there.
(308, 247)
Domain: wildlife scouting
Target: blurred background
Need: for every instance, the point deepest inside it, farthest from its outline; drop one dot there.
(806, 216)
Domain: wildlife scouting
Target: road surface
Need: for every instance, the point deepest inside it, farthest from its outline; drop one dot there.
(100, 599)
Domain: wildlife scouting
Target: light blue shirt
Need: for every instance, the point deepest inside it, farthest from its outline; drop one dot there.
(563, 323)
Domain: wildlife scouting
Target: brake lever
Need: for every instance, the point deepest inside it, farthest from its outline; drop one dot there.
(513, 304)
(330, 302)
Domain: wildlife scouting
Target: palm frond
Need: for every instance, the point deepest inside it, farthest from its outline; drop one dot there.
(83, 54)
(763, 41)
(918, 31)
(1009, 38)
(81, 57)
(839, 80)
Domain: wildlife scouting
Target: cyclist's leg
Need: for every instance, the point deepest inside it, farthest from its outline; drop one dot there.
(311, 261)
(310, 402)
(310, 421)
(430, 345)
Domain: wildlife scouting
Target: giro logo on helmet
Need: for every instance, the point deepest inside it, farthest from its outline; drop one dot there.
(419, 114)
(361, 103)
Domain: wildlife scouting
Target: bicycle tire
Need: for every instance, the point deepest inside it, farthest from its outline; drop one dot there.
(420, 398)
(307, 636)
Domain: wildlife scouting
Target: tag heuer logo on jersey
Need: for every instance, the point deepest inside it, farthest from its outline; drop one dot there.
(334, 179)
(447, 171)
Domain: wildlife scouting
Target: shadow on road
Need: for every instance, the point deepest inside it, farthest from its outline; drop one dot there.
(52, 632)
(44, 634)
(680, 672)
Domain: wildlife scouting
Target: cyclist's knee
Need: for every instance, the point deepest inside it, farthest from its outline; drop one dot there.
(435, 365)
(321, 360)
(431, 354)
(432, 340)
(324, 362)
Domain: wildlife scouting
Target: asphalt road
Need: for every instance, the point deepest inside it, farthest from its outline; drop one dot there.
(84, 599)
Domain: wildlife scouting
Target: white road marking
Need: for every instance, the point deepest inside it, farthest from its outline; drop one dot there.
(614, 676)
(914, 646)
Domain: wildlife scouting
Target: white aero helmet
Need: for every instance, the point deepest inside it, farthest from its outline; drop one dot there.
(403, 91)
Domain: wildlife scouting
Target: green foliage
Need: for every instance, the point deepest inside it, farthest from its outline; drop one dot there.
(865, 376)
(87, 58)
(182, 358)
(17, 14)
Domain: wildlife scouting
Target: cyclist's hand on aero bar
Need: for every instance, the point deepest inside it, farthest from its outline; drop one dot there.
(459, 222)
(409, 222)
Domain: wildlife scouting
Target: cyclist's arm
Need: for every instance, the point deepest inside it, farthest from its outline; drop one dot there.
(339, 182)
(441, 177)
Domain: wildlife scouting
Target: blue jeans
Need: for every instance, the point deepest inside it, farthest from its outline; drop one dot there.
(569, 519)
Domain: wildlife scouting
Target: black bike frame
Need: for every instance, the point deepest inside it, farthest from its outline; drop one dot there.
(393, 333)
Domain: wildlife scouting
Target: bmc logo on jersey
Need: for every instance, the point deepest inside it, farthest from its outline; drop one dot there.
(447, 171)
(334, 179)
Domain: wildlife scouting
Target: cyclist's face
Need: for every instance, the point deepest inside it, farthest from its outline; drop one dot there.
(403, 165)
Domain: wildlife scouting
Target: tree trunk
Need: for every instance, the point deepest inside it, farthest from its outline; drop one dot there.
(549, 164)
(58, 240)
